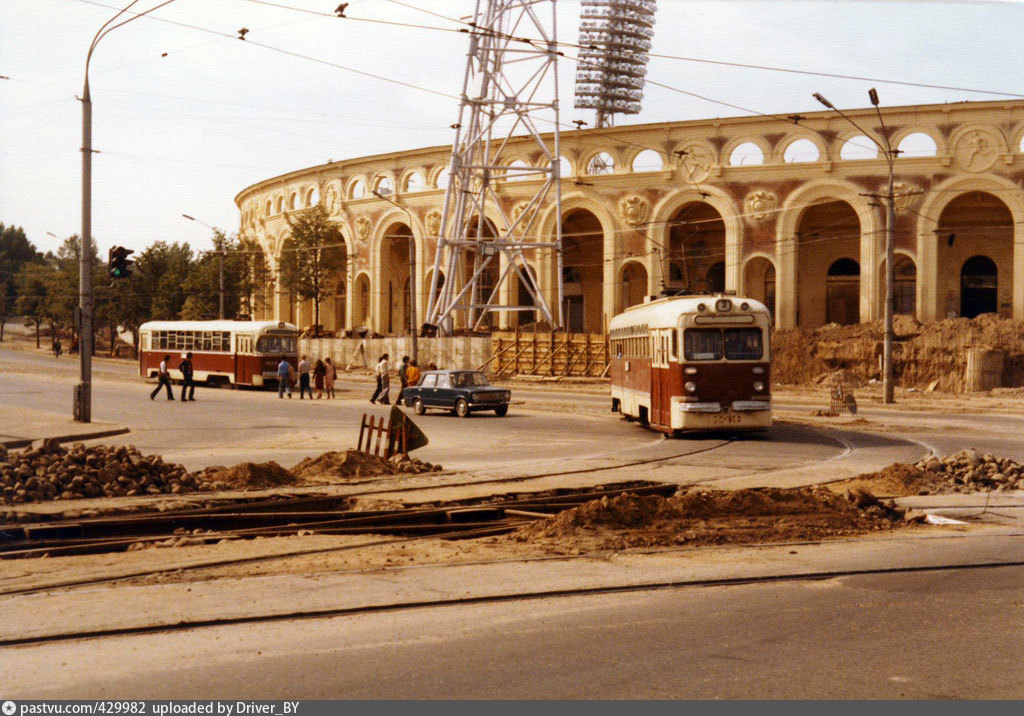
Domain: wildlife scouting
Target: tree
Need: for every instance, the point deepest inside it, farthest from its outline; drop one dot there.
(254, 275)
(203, 283)
(15, 251)
(35, 282)
(161, 271)
(65, 282)
(316, 255)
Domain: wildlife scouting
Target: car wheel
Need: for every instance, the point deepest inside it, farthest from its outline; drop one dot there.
(417, 407)
(462, 408)
(501, 411)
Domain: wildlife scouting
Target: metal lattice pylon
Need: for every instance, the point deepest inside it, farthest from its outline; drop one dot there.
(511, 85)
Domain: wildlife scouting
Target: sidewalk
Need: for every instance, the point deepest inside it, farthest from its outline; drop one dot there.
(21, 426)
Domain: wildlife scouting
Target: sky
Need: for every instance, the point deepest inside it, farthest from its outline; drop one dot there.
(185, 118)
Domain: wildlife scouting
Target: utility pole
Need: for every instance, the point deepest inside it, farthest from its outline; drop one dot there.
(888, 389)
(82, 405)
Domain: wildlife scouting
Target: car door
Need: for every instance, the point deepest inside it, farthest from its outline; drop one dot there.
(427, 390)
(445, 393)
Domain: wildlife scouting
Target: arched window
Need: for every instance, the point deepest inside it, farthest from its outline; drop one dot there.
(293, 201)
(601, 163)
(648, 161)
(519, 171)
(564, 167)
(859, 147)
(904, 286)
(384, 186)
(443, 177)
(415, 182)
(280, 204)
(979, 284)
(917, 144)
(312, 197)
(802, 150)
(746, 154)
(357, 190)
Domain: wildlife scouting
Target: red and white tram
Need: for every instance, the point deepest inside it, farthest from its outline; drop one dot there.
(231, 352)
(690, 363)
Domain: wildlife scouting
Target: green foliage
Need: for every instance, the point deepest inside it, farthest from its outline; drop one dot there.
(15, 251)
(314, 257)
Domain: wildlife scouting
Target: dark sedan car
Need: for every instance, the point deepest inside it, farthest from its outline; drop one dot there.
(459, 391)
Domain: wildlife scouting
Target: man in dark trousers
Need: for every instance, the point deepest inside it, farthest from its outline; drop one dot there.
(187, 383)
(163, 379)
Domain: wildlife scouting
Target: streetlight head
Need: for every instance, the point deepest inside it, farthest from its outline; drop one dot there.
(190, 218)
(824, 101)
(873, 96)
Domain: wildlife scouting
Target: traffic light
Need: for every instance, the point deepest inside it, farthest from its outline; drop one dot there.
(118, 263)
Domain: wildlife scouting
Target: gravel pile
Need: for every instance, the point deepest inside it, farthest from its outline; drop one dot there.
(50, 472)
(970, 470)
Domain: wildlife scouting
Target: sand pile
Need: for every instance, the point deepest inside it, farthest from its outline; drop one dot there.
(713, 517)
(250, 475)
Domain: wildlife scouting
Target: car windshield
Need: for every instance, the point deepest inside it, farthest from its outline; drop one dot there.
(468, 380)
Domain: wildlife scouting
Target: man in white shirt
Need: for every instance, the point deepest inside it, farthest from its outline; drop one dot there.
(383, 381)
(304, 385)
(163, 379)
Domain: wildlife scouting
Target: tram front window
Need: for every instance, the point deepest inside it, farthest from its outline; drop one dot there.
(743, 344)
(702, 344)
(276, 344)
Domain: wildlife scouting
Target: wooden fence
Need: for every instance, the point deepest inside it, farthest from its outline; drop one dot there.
(548, 353)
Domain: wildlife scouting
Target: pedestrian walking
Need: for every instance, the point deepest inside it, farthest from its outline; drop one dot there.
(383, 374)
(284, 378)
(412, 375)
(57, 347)
(330, 375)
(304, 386)
(319, 371)
(163, 378)
(186, 374)
(402, 370)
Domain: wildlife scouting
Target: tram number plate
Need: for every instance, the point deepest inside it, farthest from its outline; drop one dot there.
(726, 419)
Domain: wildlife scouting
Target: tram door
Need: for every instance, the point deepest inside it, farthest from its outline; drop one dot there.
(244, 364)
(661, 393)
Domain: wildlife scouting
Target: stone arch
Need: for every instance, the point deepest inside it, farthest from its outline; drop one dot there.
(759, 279)
(910, 140)
(936, 273)
(659, 232)
(440, 177)
(871, 240)
(842, 292)
(413, 180)
(390, 269)
(384, 183)
(730, 148)
(647, 160)
(904, 290)
(356, 188)
(311, 197)
(601, 162)
(857, 148)
(632, 285)
(293, 201)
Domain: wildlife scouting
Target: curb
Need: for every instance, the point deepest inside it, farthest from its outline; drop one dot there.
(25, 442)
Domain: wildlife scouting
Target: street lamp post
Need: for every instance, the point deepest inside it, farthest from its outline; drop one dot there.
(220, 264)
(82, 409)
(413, 323)
(890, 237)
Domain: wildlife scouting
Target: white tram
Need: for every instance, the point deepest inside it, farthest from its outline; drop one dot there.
(693, 363)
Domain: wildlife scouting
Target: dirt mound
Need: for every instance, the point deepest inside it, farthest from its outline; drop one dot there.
(923, 354)
(712, 517)
(249, 475)
(966, 471)
(896, 480)
(350, 463)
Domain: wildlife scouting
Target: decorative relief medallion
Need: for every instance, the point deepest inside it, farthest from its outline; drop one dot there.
(695, 161)
(433, 223)
(977, 150)
(362, 228)
(633, 210)
(903, 194)
(518, 209)
(760, 205)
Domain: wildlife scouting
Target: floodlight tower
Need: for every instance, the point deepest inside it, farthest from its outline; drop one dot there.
(616, 38)
(510, 85)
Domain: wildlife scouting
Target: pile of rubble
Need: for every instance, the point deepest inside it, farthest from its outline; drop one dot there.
(50, 472)
(969, 470)
(355, 464)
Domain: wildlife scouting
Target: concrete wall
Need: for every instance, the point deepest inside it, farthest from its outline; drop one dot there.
(467, 352)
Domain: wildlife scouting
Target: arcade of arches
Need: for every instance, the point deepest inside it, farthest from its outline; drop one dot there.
(805, 237)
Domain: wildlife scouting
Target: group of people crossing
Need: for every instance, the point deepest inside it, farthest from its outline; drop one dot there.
(323, 372)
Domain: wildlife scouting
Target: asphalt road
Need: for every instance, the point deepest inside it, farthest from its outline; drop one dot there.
(938, 635)
(544, 428)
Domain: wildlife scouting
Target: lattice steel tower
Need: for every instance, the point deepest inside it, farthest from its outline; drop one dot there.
(510, 88)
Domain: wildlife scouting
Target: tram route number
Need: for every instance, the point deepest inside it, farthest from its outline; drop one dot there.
(726, 419)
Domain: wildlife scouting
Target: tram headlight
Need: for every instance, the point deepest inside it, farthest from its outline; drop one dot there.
(691, 387)
(758, 385)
